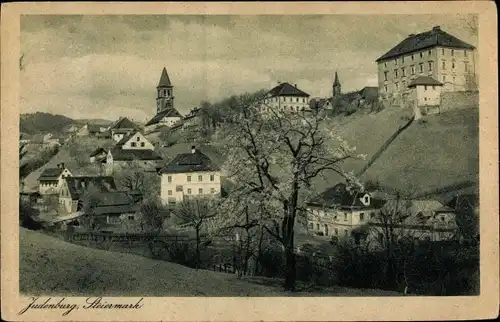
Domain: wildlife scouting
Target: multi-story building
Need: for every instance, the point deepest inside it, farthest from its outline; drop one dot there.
(189, 175)
(285, 98)
(51, 179)
(433, 53)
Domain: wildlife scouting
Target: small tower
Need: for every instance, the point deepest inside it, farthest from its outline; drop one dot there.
(164, 93)
(336, 88)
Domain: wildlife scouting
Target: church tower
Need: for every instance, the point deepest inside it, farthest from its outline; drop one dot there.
(164, 93)
(336, 88)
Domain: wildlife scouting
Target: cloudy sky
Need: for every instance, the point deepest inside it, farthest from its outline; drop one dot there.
(109, 66)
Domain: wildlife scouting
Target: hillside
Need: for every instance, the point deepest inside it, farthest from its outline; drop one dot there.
(49, 266)
(41, 122)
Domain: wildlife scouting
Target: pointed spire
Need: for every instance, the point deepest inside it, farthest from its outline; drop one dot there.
(336, 82)
(164, 79)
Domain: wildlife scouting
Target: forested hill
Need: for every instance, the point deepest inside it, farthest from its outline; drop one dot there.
(41, 122)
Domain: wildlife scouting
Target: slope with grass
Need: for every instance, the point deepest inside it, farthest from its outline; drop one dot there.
(49, 266)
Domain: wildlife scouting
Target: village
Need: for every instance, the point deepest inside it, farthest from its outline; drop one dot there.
(163, 178)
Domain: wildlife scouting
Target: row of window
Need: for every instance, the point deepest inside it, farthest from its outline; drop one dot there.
(189, 191)
(412, 67)
(48, 184)
(283, 99)
(336, 230)
(361, 216)
(133, 144)
(283, 108)
(200, 178)
(429, 52)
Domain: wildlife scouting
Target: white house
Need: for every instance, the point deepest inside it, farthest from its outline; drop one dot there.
(133, 147)
(189, 175)
(122, 128)
(51, 179)
(425, 92)
(285, 98)
(338, 211)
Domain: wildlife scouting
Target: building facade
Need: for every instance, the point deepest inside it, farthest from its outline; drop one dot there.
(189, 175)
(122, 128)
(285, 98)
(51, 180)
(434, 53)
(425, 92)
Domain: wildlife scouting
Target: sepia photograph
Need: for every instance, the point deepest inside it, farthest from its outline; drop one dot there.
(247, 155)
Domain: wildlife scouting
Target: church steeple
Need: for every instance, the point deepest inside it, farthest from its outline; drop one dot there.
(165, 92)
(336, 88)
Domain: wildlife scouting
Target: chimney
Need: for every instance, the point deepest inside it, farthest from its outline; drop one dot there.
(436, 28)
(58, 165)
(193, 149)
(62, 165)
(295, 85)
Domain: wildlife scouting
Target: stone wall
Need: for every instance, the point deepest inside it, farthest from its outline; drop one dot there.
(459, 100)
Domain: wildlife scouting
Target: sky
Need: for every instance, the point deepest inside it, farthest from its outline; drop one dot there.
(108, 66)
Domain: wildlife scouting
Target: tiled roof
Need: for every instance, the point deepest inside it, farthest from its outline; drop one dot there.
(124, 123)
(285, 89)
(424, 80)
(164, 79)
(125, 138)
(50, 174)
(190, 162)
(339, 196)
(432, 38)
(170, 112)
(115, 202)
(136, 154)
(97, 151)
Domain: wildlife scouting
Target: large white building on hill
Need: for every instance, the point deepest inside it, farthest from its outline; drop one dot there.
(285, 98)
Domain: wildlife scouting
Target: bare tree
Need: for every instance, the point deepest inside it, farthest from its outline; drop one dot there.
(196, 212)
(274, 158)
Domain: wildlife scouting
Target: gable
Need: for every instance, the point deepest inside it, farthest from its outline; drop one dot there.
(136, 141)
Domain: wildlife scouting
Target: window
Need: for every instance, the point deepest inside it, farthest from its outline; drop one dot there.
(425, 98)
(433, 87)
(143, 144)
(397, 86)
(396, 73)
(395, 62)
(444, 65)
(346, 232)
(336, 231)
(465, 66)
(212, 177)
(361, 216)
(291, 108)
(453, 65)
(385, 65)
(403, 72)
(425, 87)
(317, 226)
(212, 190)
(130, 217)
(403, 59)
(200, 178)
(421, 55)
(165, 92)
(412, 58)
(200, 191)
(345, 216)
(404, 84)
(442, 51)
(385, 76)
(189, 178)
(453, 52)
(133, 144)
(444, 78)
(430, 66)
(138, 139)
(465, 53)
(430, 52)
(385, 88)
(169, 192)
(413, 69)
(169, 179)
(311, 225)
(189, 191)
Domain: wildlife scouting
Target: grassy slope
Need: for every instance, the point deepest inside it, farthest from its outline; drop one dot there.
(441, 152)
(49, 266)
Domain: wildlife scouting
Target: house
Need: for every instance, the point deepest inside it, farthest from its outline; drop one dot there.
(99, 155)
(415, 219)
(433, 53)
(121, 128)
(90, 130)
(187, 175)
(339, 210)
(133, 147)
(73, 189)
(284, 98)
(166, 114)
(426, 95)
(51, 179)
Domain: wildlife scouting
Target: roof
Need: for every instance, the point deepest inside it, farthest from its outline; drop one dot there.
(134, 154)
(115, 202)
(190, 162)
(164, 79)
(125, 138)
(194, 112)
(98, 151)
(50, 174)
(92, 128)
(336, 81)
(104, 134)
(424, 80)
(78, 185)
(124, 123)
(170, 112)
(285, 89)
(369, 92)
(339, 196)
(432, 38)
